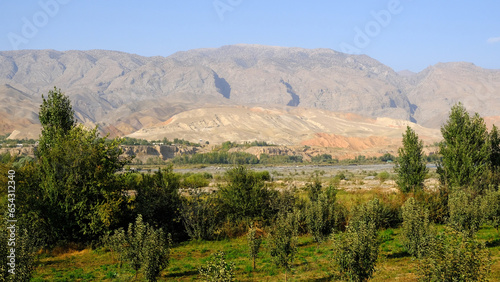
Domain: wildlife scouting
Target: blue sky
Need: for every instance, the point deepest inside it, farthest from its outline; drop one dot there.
(402, 34)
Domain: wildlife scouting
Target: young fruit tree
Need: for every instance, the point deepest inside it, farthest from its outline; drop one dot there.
(356, 251)
(283, 242)
(416, 230)
(254, 238)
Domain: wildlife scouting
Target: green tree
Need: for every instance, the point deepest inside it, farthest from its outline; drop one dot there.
(491, 208)
(142, 247)
(80, 194)
(465, 150)
(372, 211)
(71, 192)
(356, 251)
(283, 241)
(466, 213)
(410, 165)
(200, 215)
(455, 258)
(159, 202)
(323, 214)
(246, 195)
(495, 156)
(56, 117)
(254, 239)
(416, 230)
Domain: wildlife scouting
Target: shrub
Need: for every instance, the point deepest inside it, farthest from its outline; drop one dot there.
(313, 190)
(491, 208)
(158, 201)
(246, 195)
(200, 215)
(283, 241)
(383, 176)
(254, 239)
(356, 251)
(455, 258)
(326, 158)
(155, 254)
(142, 247)
(372, 211)
(217, 269)
(323, 215)
(436, 202)
(416, 230)
(466, 215)
(286, 200)
(24, 256)
(196, 180)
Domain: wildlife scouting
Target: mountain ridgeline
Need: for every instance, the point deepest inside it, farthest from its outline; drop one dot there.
(125, 92)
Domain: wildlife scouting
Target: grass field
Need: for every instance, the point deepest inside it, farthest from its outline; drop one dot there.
(312, 263)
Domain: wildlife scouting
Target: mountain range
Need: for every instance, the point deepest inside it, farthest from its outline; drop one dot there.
(246, 92)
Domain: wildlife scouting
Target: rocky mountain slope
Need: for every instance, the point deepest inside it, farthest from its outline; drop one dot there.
(127, 93)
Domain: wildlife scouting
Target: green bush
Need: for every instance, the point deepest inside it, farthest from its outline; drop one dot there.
(254, 239)
(323, 158)
(246, 196)
(195, 180)
(24, 265)
(217, 269)
(222, 157)
(279, 159)
(455, 258)
(491, 208)
(356, 251)
(417, 233)
(200, 215)
(436, 202)
(383, 176)
(313, 190)
(142, 247)
(323, 215)
(373, 211)
(283, 241)
(159, 202)
(155, 254)
(466, 215)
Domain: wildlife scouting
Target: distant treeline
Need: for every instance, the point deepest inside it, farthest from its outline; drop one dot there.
(11, 143)
(234, 158)
(164, 141)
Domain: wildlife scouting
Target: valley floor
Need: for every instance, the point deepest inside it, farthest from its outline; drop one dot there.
(313, 261)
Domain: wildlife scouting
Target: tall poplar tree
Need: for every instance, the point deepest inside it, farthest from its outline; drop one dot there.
(410, 166)
(73, 194)
(466, 150)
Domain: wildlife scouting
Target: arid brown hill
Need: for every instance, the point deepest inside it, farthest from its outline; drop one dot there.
(125, 92)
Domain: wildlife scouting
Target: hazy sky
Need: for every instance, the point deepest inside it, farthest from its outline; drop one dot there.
(403, 34)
